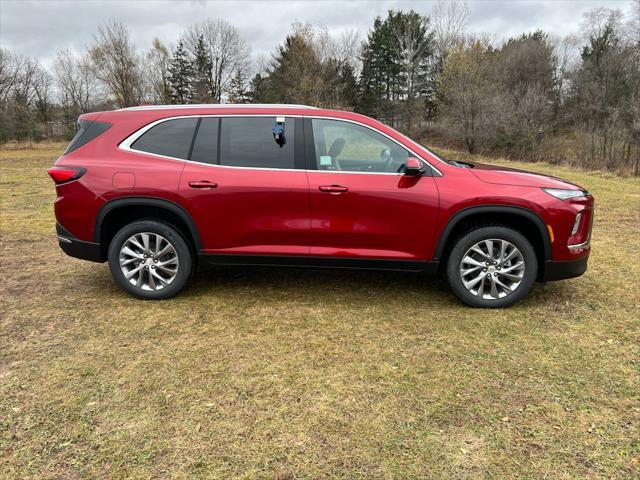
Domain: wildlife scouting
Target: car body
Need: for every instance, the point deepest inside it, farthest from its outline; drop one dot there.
(338, 189)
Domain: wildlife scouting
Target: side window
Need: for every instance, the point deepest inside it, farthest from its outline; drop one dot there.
(171, 138)
(350, 147)
(249, 142)
(205, 147)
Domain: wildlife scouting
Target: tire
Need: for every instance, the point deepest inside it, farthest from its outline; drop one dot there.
(492, 281)
(158, 278)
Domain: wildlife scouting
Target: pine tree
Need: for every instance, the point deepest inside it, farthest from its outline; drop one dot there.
(181, 76)
(203, 72)
(238, 90)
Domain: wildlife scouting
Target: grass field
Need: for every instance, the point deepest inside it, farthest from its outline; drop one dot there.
(287, 374)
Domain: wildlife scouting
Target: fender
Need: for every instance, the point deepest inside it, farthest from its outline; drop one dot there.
(150, 202)
(484, 209)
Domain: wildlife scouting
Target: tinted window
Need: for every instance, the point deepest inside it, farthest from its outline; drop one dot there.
(351, 147)
(171, 138)
(87, 131)
(249, 142)
(205, 148)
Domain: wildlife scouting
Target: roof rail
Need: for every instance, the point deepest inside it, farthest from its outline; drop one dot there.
(216, 105)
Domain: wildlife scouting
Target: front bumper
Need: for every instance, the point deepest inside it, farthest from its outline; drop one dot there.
(78, 248)
(561, 270)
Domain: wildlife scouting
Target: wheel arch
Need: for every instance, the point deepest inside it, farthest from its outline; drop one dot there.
(132, 208)
(522, 219)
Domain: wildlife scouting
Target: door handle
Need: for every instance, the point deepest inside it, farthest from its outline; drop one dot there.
(202, 184)
(334, 189)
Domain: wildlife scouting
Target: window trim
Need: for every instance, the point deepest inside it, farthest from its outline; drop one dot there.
(130, 140)
(127, 142)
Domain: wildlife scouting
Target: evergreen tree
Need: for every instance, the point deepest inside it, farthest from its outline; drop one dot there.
(258, 89)
(181, 76)
(202, 72)
(238, 91)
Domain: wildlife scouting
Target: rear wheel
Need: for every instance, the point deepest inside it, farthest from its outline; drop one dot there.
(492, 267)
(150, 260)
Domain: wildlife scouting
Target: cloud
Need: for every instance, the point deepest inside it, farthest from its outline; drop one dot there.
(41, 28)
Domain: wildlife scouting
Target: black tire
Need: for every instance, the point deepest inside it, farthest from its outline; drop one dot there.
(463, 244)
(171, 234)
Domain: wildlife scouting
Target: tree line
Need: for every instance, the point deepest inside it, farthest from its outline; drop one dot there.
(572, 100)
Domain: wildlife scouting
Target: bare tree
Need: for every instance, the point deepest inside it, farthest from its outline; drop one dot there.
(77, 85)
(467, 91)
(228, 51)
(449, 19)
(117, 63)
(10, 68)
(159, 61)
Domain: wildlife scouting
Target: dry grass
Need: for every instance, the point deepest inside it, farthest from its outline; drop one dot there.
(260, 373)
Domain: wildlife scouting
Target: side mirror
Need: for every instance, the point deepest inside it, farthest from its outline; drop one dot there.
(414, 167)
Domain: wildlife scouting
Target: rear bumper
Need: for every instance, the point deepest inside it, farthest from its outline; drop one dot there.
(77, 248)
(563, 270)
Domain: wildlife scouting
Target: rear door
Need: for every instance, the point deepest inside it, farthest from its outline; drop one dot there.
(362, 206)
(248, 194)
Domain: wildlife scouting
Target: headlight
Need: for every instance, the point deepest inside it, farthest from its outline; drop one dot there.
(563, 194)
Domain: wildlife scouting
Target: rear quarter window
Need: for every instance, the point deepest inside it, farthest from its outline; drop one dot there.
(172, 138)
(87, 131)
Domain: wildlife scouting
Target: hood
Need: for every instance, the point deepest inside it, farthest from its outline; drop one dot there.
(513, 176)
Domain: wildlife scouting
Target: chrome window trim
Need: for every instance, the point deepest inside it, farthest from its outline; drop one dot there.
(127, 142)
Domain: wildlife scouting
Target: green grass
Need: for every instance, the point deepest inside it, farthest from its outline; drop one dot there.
(256, 373)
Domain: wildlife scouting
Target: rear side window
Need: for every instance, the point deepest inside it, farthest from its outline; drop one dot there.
(249, 142)
(171, 138)
(205, 147)
(87, 131)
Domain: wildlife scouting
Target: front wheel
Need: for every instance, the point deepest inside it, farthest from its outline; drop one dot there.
(492, 267)
(150, 260)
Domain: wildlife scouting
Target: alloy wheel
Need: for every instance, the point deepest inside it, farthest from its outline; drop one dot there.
(148, 261)
(492, 269)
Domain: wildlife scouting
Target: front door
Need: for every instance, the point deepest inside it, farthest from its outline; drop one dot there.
(362, 206)
(247, 193)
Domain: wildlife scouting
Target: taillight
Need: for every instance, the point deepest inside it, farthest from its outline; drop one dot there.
(65, 174)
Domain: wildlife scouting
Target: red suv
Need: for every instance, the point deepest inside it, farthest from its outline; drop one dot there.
(160, 191)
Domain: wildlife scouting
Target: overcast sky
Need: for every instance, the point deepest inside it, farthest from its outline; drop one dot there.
(40, 28)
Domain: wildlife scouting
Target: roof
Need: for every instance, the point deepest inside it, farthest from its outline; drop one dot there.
(215, 105)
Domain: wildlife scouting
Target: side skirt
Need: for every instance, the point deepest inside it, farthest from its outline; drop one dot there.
(212, 260)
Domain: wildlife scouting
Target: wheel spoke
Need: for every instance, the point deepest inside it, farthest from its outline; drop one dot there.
(472, 283)
(513, 267)
(480, 292)
(134, 241)
(511, 255)
(145, 242)
(512, 277)
(159, 277)
(507, 288)
(478, 250)
(152, 283)
(494, 288)
(127, 251)
(468, 271)
(131, 273)
(489, 245)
